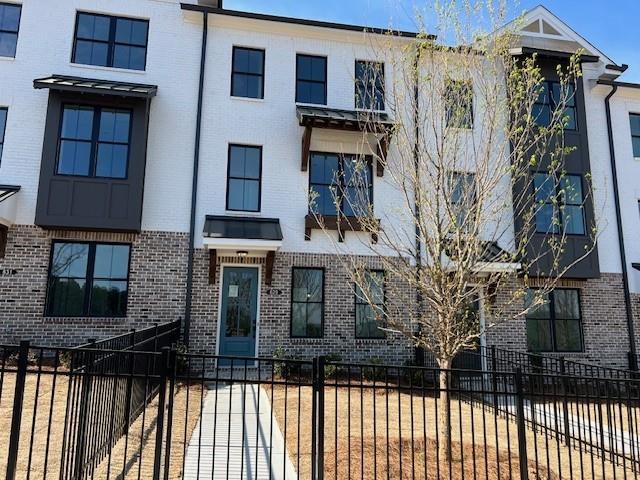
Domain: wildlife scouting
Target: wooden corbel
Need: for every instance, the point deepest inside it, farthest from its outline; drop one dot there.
(383, 150)
(213, 261)
(268, 268)
(4, 234)
(306, 147)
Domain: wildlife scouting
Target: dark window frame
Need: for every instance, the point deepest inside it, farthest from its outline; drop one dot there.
(552, 322)
(229, 177)
(234, 73)
(558, 195)
(89, 278)
(322, 303)
(95, 139)
(325, 82)
(111, 43)
(383, 334)
(342, 186)
(357, 87)
(552, 105)
(458, 204)
(3, 130)
(15, 32)
(452, 90)
(634, 136)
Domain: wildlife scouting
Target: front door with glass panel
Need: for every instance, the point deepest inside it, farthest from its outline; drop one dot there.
(239, 312)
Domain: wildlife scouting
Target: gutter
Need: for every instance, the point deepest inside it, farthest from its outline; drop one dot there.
(194, 181)
(623, 254)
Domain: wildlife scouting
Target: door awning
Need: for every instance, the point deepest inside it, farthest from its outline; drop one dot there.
(377, 123)
(65, 83)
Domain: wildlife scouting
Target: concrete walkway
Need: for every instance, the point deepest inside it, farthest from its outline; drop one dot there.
(239, 439)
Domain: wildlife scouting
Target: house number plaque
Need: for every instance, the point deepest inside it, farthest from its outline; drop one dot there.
(8, 272)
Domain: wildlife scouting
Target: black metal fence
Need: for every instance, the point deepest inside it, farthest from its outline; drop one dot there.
(98, 412)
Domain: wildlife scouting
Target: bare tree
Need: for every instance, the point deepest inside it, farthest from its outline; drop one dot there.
(474, 144)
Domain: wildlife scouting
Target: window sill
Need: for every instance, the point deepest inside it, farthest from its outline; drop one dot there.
(369, 341)
(306, 340)
(248, 99)
(107, 69)
(85, 320)
(7, 59)
(242, 213)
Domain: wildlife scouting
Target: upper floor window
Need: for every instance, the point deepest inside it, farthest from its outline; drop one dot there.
(634, 119)
(555, 325)
(3, 126)
(311, 79)
(459, 104)
(110, 41)
(94, 142)
(463, 197)
(559, 205)
(247, 73)
(9, 25)
(548, 101)
(307, 302)
(243, 178)
(340, 184)
(370, 305)
(369, 85)
(88, 279)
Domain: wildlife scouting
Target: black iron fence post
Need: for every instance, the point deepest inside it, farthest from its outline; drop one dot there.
(494, 378)
(88, 360)
(522, 432)
(565, 406)
(162, 393)
(320, 419)
(172, 388)
(16, 417)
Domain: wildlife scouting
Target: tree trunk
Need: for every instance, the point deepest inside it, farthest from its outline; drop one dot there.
(444, 422)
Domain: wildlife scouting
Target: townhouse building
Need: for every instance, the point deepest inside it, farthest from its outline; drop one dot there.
(156, 160)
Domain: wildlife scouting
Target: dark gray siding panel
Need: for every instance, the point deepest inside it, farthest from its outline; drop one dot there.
(92, 203)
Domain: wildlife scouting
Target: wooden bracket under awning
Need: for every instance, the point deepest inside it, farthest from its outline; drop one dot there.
(268, 270)
(4, 234)
(213, 264)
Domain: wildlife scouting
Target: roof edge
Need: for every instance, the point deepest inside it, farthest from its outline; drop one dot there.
(302, 21)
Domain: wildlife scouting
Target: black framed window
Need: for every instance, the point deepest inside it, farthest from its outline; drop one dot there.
(247, 73)
(370, 313)
(243, 178)
(547, 102)
(9, 26)
(463, 197)
(634, 120)
(307, 302)
(311, 79)
(340, 184)
(560, 205)
(88, 279)
(109, 41)
(369, 85)
(3, 126)
(94, 142)
(556, 325)
(458, 101)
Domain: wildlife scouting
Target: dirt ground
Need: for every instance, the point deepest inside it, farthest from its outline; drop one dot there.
(359, 445)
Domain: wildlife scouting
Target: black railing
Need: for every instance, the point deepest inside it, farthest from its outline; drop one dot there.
(97, 413)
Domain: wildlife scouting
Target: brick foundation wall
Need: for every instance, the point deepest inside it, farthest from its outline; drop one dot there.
(156, 286)
(275, 312)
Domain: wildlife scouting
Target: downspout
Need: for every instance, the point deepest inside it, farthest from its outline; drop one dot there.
(416, 193)
(194, 182)
(623, 254)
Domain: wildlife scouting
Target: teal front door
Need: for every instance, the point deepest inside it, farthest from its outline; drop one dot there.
(239, 313)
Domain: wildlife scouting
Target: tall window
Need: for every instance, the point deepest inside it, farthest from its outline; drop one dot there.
(94, 142)
(560, 205)
(340, 184)
(3, 127)
(634, 119)
(110, 41)
(243, 178)
(463, 197)
(247, 73)
(307, 302)
(88, 279)
(311, 79)
(369, 85)
(459, 104)
(370, 305)
(555, 326)
(9, 25)
(548, 101)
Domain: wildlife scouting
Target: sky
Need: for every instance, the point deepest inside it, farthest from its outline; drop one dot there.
(610, 25)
